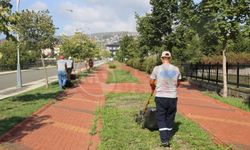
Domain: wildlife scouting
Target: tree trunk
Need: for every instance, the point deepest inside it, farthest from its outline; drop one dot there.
(224, 74)
(45, 72)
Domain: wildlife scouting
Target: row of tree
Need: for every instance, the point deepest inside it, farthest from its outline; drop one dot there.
(36, 32)
(81, 47)
(190, 31)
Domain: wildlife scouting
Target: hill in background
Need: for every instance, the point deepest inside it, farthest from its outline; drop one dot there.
(110, 37)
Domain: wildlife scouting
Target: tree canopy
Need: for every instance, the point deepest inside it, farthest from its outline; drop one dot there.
(36, 30)
(79, 46)
(6, 18)
(192, 31)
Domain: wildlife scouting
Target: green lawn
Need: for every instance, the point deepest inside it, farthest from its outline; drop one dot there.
(236, 102)
(15, 109)
(121, 76)
(120, 131)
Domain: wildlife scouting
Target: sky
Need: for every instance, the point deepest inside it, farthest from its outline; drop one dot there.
(90, 16)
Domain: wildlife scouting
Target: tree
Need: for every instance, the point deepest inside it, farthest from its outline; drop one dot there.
(79, 46)
(185, 40)
(6, 18)
(105, 53)
(8, 51)
(128, 49)
(155, 29)
(147, 40)
(36, 31)
(221, 23)
(164, 19)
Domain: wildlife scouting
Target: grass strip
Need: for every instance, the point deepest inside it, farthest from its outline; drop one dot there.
(120, 131)
(15, 109)
(121, 76)
(93, 129)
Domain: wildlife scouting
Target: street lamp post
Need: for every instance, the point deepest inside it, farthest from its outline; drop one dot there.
(18, 73)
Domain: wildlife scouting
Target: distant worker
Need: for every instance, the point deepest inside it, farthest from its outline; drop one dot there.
(91, 63)
(86, 64)
(70, 67)
(61, 71)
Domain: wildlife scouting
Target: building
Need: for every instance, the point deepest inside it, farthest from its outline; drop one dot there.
(51, 52)
(113, 48)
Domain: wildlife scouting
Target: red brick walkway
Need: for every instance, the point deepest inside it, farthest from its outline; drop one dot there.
(66, 124)
(229, 125)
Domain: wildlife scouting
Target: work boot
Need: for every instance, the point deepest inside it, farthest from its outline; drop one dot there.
(165, 144)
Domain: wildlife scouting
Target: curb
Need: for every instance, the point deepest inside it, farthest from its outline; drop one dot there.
(25, 90)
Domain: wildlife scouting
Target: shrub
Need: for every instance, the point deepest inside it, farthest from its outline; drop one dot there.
(232, 58)
(134, 62)
(137, 63)
(112, 66)
(149, 63)
(130, 62)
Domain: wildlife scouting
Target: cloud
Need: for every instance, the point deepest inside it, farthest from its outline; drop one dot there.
(86, 13)
(122, 3)
(101, 16)
(100, 26)
(38, 6)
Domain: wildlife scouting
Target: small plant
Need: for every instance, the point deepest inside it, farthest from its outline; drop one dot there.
(93, 130)
(112, 66)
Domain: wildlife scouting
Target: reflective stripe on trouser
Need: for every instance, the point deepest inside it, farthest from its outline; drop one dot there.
(165, 115)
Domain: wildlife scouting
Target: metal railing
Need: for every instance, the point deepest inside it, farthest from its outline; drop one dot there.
(237, 74)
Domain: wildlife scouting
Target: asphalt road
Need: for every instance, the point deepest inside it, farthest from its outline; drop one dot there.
(9, 80)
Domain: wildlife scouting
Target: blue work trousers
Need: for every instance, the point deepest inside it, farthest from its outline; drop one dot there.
(62, 78)
(165, 115)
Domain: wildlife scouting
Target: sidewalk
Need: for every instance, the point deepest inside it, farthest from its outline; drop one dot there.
(64, 125)
(26, 87)
(227, 124)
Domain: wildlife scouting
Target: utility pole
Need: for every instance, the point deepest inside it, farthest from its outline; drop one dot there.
(18, 73)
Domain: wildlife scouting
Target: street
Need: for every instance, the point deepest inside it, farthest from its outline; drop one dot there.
(9, 80)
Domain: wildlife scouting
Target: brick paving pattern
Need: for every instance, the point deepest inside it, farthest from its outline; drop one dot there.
(66, 124)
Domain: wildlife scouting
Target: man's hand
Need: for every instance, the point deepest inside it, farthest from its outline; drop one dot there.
(178, 83)
(152, 84)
